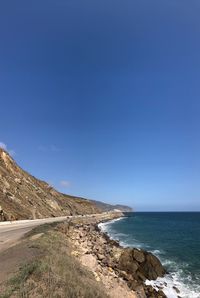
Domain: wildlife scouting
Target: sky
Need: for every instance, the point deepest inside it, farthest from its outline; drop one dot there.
(101, 99)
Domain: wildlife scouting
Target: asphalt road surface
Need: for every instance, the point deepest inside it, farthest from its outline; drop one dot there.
(11, 232)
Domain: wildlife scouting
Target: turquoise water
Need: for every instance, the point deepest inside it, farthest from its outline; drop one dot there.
(174, 237)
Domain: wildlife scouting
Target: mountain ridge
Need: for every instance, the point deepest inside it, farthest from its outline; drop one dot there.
(23, 196)
(108, 207)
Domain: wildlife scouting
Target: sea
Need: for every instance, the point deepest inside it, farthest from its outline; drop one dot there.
(174, 237)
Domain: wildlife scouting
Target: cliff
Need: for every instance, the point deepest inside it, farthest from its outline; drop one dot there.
(22, 196)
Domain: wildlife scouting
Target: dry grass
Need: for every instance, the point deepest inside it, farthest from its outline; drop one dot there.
(56, 274)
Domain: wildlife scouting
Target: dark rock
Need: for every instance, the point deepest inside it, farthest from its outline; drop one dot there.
(131, 262)
(106, 262)
(127, 263)
(152, 268)
(141, 276)
(176, 289)
(140, 292)
(160, 294)
(138, 255)
(152, 293)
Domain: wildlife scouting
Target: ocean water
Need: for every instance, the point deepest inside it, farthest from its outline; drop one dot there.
(174, 237)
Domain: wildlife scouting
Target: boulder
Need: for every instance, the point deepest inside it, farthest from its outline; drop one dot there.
(127, 263)
(152, 268)
(100, 257)
(140, 264)
(89, 261)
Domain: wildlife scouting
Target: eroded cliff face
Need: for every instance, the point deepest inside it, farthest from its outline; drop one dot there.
(22, 196)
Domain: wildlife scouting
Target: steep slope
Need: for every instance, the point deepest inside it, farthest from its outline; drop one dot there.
(22, 196)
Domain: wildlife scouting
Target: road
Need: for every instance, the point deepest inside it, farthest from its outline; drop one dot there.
(11, 232)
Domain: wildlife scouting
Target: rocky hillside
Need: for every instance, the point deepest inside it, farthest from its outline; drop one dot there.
(22, 196)
(107, 207)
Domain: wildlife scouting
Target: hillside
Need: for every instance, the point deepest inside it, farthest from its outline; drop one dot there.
(22, 196)
(108, 207)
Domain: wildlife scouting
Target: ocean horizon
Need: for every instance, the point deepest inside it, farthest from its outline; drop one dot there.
(174, 237)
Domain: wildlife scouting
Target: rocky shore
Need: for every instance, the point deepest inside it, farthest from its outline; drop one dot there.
(122, 271)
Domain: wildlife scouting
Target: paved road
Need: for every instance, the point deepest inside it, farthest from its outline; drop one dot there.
(11, 232)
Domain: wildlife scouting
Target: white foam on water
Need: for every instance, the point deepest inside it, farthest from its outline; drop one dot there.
(177, 283)
(105, 225)
(174, 287)
(133, 243)
(157, 252)
(179, 279)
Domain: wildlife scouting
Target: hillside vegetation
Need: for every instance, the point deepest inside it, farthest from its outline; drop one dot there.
(49, 273)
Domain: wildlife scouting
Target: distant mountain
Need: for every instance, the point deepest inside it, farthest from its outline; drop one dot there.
(108, 207)
(22, 196)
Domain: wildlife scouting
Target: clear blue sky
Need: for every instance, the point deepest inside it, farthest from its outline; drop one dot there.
(102, 98)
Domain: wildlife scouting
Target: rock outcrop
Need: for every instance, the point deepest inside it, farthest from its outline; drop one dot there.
(141, 264)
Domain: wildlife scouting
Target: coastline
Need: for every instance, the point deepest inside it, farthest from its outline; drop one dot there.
(178, 253)
(108, 260)
(81, 260)
(165, 283)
